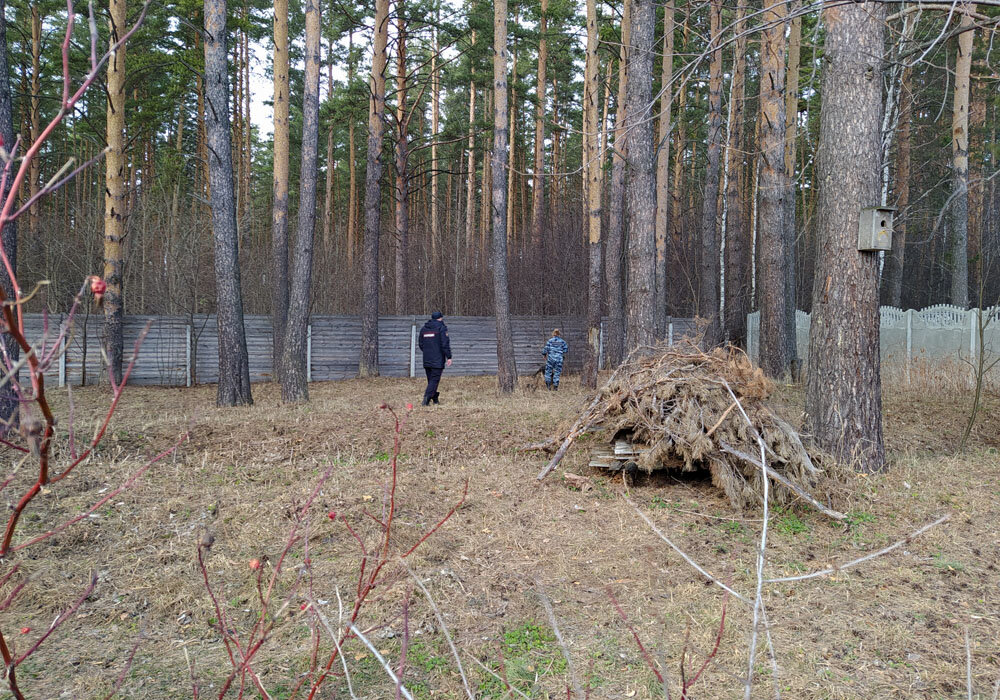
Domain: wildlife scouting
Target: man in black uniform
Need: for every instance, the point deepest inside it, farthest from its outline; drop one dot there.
(437, 354)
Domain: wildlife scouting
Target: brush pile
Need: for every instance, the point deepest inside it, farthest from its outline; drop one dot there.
(677, 409)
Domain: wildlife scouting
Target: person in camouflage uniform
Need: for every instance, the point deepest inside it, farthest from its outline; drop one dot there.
(554, 350)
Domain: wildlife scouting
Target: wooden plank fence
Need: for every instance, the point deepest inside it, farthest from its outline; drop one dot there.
(183, 350)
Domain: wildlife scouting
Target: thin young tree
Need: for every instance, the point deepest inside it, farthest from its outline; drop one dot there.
(592, 174)
(115, 196)
(402, 190)
(640, 192)
(294, 375)
(791, 131)
(737, 244)
(537, 175)
(708, 297)
(772, 190)
(234, 366)
(614, 333)
(279, 208)
(506, 368)
(373, 197)
(663, 168)
(844, 386)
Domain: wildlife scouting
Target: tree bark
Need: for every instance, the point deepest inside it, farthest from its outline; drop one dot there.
(9, 400)
(402, 170)
(614, 332)
(663, 169)
(844, 385)
(772, 189)
(538, 174)
(329, 229)
(641, 190)
(373, 197)
(352, 204)
(977, 122)
(506, 368)
(708, 297)
(470, 177)
(435, 125)
(279, 209)
(115, 196)
(592, 174)
(791, 128)
(294, 384)
(234, 367)
(960, 161)
(737, 249)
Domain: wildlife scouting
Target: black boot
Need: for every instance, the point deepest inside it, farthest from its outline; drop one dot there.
(425, 402)
(555, 387)
(548, 386)
(436, 398)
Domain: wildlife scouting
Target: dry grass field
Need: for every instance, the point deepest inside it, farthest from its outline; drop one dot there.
(893, 627)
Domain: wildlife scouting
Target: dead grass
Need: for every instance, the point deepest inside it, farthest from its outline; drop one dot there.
(893, 628)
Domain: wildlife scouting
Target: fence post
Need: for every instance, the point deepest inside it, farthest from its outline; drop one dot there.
(309, 353)
(670, 333)
(973, 327)
(413, 349)
(909, 342)
(187, 355)
(62, 361)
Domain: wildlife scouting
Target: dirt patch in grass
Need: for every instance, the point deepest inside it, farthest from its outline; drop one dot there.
(892, 628)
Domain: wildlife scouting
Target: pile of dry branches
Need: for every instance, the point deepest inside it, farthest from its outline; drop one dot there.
(678, 407)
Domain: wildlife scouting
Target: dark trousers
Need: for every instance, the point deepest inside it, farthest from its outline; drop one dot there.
(433, 377)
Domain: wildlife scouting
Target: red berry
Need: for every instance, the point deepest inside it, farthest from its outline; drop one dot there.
(255, 564)
(25, 630)
(409, 407)
(303, 606)
(332, 515)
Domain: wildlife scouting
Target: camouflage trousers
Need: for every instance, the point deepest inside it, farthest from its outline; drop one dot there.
(553, 370)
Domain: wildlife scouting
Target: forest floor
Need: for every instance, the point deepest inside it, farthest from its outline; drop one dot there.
(893, 627)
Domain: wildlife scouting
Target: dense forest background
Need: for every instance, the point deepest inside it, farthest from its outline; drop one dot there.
(442, 53)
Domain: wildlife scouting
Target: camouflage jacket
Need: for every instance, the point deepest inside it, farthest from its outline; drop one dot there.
(555, 349)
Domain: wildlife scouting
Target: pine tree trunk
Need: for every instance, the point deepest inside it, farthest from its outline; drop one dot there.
(373, 198)
(960, 162)
(641, 189)
(402, 171)
(234, 367)
(329, 229)
(435, 125)
(737, 258)
(592, 175)
(708, 297)
(844, 386)
(663, 169)
(791, 128)
(279, 209)
(9, 399)
(538, 173)
(352, 204)
(294, 376)
(774, 359)
(679, 259)
(506, 369)
(115, 197)
(614, 333)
